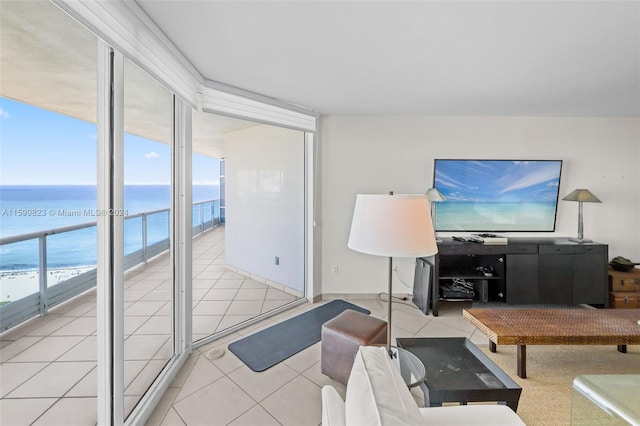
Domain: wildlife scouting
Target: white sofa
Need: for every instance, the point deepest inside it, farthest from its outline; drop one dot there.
(377, 395)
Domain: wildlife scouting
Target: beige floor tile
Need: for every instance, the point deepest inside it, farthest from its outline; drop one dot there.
(14, 374)
(441, 329)
(157, 324)
(53, 381)
(298, 403)
(251, 283)
(273, 294)
(158, 294)
(211, 307)
(229, 283)
(232, 275)
(214, 268)
(84, 411)
(74, 309)
(210, 275)
(270, 305)
(142, 308)
(254, 417)
(132, 323)
(84, 351)
(205, 324)
(220, 294)
(15, 412)
(133, 295)
(185, 370)
(251, 293)
(163, 407)
(53, 323)
(199, 283)
(172, 419)
(217, 404)
(301, 361)
(143, 347)
(203, 373)
(261, 385)
(14, 348)
(86, 387)
(410, 321)
(314, 373)
(244, 307)
(132, 369)
(47, 349)
(226, 363)
(81, 326)
(143, 380)
(231, 320)
(197, 294)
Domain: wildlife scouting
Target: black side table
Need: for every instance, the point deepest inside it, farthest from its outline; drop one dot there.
(457, 371)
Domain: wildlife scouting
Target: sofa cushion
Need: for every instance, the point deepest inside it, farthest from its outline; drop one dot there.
(376, 393)
(332, 407)
(477, 415)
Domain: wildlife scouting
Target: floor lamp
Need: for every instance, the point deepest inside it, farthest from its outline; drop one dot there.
(581, 196)
(392, 226)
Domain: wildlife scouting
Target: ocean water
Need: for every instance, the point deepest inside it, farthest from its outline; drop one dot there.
(486, 217)
(27, 209)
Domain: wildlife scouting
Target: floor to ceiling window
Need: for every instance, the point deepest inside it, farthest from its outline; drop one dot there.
(253, 262)
(48, 69)
(53, 92)
(148, 211)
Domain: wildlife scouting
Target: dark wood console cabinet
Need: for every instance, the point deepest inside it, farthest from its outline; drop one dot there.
(525, 271)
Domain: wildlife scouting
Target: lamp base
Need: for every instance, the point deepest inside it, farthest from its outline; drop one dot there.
(580, 240)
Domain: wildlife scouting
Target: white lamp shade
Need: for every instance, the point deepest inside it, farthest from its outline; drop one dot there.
(393, 226)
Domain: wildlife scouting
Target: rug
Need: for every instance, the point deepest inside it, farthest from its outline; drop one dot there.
(272, 345)
(547, 391)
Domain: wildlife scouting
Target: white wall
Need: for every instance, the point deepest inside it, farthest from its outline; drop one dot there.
(377, 154)
(265, 203)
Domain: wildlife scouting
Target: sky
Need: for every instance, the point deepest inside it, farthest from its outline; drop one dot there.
(41, 147)
(498, 181)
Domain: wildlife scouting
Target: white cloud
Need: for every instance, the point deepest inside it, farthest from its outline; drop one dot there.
(150, 155)
(4, 113)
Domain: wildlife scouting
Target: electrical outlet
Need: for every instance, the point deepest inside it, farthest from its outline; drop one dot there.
(277, 261)
(334, 269)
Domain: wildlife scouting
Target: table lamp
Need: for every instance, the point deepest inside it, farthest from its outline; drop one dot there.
(434, 196)
(392, 226)
(581, 196)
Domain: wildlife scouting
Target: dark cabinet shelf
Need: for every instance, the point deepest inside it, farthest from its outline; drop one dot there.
(525, 271)
(450, 276)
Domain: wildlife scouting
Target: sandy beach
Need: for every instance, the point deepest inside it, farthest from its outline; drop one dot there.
(17, 284)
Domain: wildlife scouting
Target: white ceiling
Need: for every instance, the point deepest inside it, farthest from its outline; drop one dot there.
(486, 58)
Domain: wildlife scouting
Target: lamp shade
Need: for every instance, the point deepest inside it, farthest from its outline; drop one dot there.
(434, 195)
(583, 195)
(393, 226)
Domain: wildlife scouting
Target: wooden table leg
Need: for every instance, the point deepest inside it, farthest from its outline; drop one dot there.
(493, 347)
(522, 361)
(622, 348)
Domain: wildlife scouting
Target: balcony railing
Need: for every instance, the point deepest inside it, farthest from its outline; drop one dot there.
(51, 290)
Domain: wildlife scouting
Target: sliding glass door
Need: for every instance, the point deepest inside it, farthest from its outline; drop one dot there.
(148, 215)
(252, 262)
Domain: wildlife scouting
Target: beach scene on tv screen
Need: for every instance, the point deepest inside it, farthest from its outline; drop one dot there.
(497, 195)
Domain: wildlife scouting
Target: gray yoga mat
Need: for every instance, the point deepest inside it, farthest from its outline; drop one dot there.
(272, 345)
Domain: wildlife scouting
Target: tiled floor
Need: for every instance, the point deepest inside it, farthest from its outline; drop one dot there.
(47, 365)
(224, 391)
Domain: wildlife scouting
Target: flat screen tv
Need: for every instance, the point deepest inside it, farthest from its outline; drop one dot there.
(497, 195)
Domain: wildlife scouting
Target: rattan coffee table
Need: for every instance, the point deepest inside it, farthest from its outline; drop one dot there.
(522, 327)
